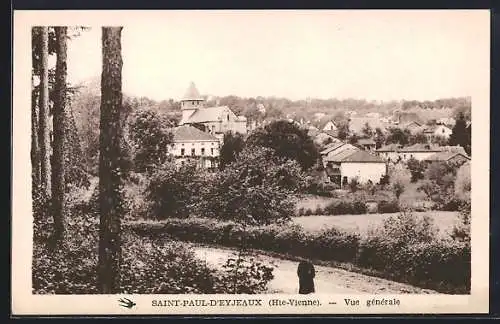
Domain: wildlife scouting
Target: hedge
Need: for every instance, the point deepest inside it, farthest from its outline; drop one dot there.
(440, 264)
(346, 207)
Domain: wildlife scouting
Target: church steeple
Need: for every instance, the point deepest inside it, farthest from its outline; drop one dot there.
(191, 101)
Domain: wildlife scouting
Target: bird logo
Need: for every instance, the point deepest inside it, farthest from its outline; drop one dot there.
(125, 302)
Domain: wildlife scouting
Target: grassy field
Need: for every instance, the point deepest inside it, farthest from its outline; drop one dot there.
(361, 223)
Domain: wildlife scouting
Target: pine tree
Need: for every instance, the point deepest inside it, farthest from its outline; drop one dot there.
(43, 117)
(35, 153)
(109, 161)
(459, 132)
(59, 126)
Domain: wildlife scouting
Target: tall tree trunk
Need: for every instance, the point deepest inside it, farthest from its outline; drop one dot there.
(59, 129)
(109, 161)
(44, 114)
(35, 160)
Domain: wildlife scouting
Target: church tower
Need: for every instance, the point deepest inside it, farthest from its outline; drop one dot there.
(191, 102)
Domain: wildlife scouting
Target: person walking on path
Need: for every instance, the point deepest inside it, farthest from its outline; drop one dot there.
(306, 274)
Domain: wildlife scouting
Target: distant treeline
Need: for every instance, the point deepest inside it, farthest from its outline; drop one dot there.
(310, 109)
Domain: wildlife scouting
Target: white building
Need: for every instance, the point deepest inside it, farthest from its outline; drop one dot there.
(363, 166)
(190, 143)
(438, 130)
(357, 164)
(217, 120)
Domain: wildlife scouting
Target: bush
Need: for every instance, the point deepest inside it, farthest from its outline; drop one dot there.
(246, 276)
(174, 191)
(408, 248)
(322, 189)
(343, 207)
(461, 231)
(385, 206)
(463, 182)
(149, 266)
(318, 211)
(452, 204)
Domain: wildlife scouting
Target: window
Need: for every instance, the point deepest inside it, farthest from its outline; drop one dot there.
(442, 130)
(193, 151)
(202, 151)
(227, 117)
(182, 151)
(212, 151)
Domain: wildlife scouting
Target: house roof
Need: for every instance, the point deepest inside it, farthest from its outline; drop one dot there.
(207, 114)
(192, 93)
(420, 148)
(332, 146)
(188, 133)
(389, 148)
(339, 157)
(362, 156)
(445, 156)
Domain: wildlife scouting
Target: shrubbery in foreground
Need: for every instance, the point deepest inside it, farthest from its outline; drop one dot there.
(149, 266)
(404, 249)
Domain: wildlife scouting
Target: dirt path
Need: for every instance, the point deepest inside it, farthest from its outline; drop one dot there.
(328, 279)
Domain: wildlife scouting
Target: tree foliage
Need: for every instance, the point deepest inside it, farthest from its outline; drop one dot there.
(288, 141)
(398, 136)
(257, 188)
(367, 130)
(416, 168)
(232, 146)
(343, 130)
(460, 135)
(150, 134)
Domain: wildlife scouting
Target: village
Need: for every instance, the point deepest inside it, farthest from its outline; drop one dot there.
(360, 155)
(192, 193)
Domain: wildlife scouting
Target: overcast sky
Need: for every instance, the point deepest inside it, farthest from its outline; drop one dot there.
(323, 54)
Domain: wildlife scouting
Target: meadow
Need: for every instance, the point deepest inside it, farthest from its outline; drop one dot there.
(360, 224)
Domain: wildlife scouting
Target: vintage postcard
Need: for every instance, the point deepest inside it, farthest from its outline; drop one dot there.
(250, 162)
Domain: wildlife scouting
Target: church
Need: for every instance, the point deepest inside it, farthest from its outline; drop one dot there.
(215, 120)
(200, 132)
